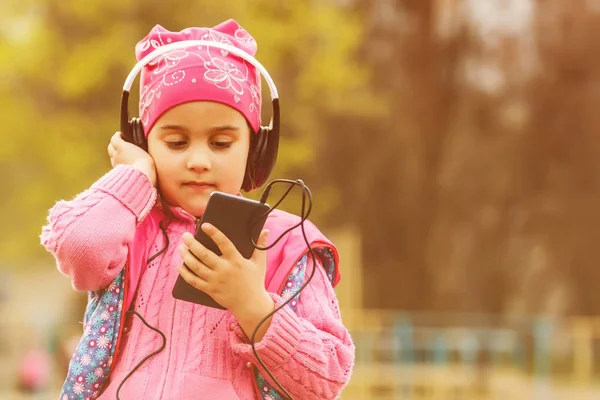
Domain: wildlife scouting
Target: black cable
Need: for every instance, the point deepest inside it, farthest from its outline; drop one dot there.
(164, 343)
(164, 232)
(304, 216)
(162, 335)
(306, 193)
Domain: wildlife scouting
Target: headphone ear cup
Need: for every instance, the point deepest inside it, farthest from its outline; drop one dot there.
(250, 176)
(261, 159)
(137, 132)
(261, 145)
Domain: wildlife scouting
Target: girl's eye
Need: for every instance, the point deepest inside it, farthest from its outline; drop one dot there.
(222, 145)
(176, 144)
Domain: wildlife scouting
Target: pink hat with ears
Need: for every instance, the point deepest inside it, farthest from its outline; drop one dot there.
(199, 73)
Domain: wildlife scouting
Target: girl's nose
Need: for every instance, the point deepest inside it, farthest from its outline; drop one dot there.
(198, 160)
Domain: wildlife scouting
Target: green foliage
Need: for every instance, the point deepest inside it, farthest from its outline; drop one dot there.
(64, 64)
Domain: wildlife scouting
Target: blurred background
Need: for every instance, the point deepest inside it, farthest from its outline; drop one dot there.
(451, 145)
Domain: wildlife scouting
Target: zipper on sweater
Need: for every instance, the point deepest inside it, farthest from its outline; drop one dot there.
(196, 219)
(169, 354)
(169, 360)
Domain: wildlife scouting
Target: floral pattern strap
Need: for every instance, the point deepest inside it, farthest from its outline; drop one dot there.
(90, 365)
(294, 282)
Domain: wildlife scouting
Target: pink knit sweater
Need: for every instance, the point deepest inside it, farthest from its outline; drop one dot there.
(207, 355)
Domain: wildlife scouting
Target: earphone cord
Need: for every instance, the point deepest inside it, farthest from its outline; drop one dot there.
(306, 193)
(304, 216)
(162, 335)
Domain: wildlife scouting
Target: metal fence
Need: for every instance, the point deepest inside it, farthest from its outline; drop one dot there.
(472, 356)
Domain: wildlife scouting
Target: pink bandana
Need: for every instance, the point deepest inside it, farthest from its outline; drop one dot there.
(199, 73)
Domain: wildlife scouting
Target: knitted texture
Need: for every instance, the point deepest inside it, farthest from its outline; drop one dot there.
(306, 347)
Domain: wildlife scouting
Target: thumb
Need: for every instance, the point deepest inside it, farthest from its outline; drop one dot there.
(259, 256)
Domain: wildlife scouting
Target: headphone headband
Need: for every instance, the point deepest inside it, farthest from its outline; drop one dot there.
(189, 43)
(273, 124)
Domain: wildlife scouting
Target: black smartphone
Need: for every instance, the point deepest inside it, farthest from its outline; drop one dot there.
(241, 220)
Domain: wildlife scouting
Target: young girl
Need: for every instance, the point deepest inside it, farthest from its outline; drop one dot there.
(199, 117)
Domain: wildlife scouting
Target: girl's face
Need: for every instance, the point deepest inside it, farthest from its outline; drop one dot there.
(198, 148)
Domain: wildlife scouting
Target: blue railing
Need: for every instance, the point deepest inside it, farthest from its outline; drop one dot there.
(537, 350)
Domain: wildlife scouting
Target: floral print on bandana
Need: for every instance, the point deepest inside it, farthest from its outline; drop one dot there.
(224, 75)
(213, 65)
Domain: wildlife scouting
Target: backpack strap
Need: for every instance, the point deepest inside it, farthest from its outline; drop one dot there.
(91, 363)
(328, 259)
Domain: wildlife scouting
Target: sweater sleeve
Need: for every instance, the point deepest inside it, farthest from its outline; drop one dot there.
(309, 352)
(89, 235)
